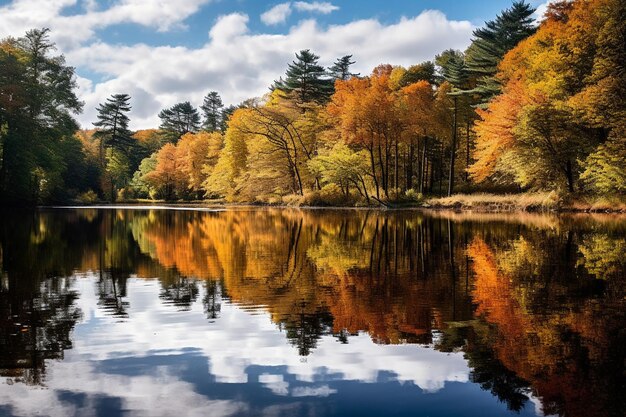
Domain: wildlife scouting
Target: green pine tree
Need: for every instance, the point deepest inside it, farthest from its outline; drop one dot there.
(112, 125)
(306, 81)
(340, 70)
(179, 119)
(212, 112)
(493, 41)
(116, 143)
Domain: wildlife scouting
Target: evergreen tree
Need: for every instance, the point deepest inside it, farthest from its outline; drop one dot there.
(116, 142)
(212, 112)
(306, 81)
(493, 41)
(112, 124)
(225, 116)
(340, 70)
(424, 71)
(179, 119)
(453, 68)
(454, 71)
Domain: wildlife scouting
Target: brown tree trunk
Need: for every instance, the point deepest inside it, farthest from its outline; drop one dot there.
(570, 176)
(453, 151)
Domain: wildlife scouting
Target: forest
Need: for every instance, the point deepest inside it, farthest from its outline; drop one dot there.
(530, 106)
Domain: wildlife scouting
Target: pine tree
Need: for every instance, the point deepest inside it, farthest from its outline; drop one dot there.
(225, 114)
(453, 68)
(115, 141)
(212, 112)
(306, 81)
(454, 71)
(340, 70)
(493, 41)
(112, 124)
(179, 119)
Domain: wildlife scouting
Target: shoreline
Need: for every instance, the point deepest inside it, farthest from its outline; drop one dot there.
(427, 207)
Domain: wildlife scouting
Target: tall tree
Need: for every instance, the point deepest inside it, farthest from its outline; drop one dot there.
(212, 112)
(493, 41)
(306, 81)
(563, 113)
(112, 125)
(454, 71)
(340, 70)
(115, 141)
(179, 119)
(37, 100)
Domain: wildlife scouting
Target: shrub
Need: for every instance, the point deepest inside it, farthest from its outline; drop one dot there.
(88, 197)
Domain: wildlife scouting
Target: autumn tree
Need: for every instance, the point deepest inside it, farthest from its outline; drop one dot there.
(196, 155)
(231, 162)
(558, 119)
(167, 178)
(391, 120)
(344, 168)
(418, 112)
(225, 115)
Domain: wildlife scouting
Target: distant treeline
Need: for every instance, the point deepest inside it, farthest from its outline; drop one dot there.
(528, 106)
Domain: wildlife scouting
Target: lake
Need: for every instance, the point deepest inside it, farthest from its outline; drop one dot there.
(287, 312)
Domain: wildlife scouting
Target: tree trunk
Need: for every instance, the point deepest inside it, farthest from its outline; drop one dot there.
(383, 173)
(395, 176)
(467, 152)
(441, 158)
(371, 149)
(424, 167)
(452, 151)
(570, 176)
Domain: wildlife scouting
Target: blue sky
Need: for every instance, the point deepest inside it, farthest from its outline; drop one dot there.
(164, 51)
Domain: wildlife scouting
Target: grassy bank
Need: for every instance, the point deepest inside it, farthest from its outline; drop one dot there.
(528, 202)
(538, 202)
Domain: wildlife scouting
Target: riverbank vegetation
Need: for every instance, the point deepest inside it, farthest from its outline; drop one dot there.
(533, 107)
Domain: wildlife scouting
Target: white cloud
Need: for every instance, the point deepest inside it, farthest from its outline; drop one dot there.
(234, 60)
(277, 14)
(323, 7)
(229, 27)
(71, 31)
(541, 11)
(231, 345)
(240, 64)
(281, 12)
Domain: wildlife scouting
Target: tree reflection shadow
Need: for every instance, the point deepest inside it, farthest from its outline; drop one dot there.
(537, 305)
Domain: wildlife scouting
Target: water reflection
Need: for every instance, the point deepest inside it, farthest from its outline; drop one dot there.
(312, 312)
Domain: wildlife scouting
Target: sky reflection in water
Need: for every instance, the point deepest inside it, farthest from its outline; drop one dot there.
(287, 312)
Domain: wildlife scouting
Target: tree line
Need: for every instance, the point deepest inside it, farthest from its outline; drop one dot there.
(527, 106)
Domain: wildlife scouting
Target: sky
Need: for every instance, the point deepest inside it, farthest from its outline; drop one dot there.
(163, 51)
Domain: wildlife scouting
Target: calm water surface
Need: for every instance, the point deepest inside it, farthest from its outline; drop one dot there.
(275, 312)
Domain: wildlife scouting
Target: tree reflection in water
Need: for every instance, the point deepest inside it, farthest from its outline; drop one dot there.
(537, 303)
